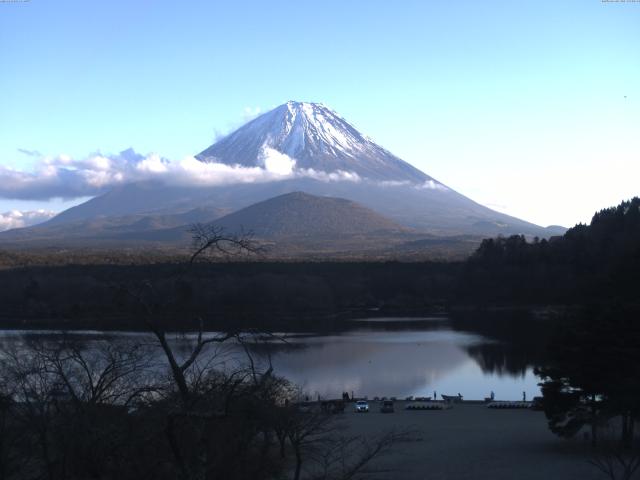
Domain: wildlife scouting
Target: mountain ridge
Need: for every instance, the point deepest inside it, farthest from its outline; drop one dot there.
(300, 214)
(306, 138)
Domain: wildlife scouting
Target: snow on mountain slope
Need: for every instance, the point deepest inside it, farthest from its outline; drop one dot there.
(312, 138)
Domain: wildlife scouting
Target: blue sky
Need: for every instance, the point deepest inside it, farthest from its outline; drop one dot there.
(532, 107)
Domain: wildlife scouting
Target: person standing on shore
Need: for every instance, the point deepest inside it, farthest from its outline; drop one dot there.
(524, 396)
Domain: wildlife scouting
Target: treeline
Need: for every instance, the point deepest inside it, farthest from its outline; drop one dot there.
(223, 294)
(590, 365)
(590, 263)
(590, 376)
(600, 261)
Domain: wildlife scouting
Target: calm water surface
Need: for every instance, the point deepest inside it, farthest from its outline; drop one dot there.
(386, 362)
(377, 357)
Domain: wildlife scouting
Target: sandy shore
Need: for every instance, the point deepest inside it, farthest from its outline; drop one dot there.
(474, 442)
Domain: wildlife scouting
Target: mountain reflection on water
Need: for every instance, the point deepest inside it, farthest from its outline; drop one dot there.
(375, 357)
(402, 357)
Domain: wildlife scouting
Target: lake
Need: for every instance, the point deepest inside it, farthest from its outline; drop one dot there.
(373, 357)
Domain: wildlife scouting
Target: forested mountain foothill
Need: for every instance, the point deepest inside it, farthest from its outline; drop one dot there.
(596, 263)
(600, 261)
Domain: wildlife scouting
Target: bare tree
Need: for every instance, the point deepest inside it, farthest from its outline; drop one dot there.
(206, 238)
(615, 459)
(212, 239)
(205, 394)
(348, 457)
(104, 373)
(308, 432)
(12, 437)
(34, 390)
(323, 450)
(70, 401)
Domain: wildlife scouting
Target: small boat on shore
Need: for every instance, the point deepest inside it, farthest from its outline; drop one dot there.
(452, 398)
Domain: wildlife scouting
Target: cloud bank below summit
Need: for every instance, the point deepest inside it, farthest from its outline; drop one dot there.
(68, 178)
(20, 219)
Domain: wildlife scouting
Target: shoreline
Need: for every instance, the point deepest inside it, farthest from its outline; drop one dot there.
(290, 322)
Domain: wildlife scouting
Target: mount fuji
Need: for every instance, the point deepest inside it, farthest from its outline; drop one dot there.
(317, 139)
(301, 147)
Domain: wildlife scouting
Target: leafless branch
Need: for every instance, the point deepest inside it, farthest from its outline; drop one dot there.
(211, 237)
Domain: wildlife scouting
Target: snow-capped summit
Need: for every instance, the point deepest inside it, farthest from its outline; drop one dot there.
(315, 137)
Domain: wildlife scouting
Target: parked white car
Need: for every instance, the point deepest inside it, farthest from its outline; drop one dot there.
(362, 406)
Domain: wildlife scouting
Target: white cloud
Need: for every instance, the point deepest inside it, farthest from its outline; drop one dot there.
(30, 153)
(335, 176)
(153, 164)
(19, 219)
(276, 162)
(431, 185)
(65, 177)
(191, 171)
